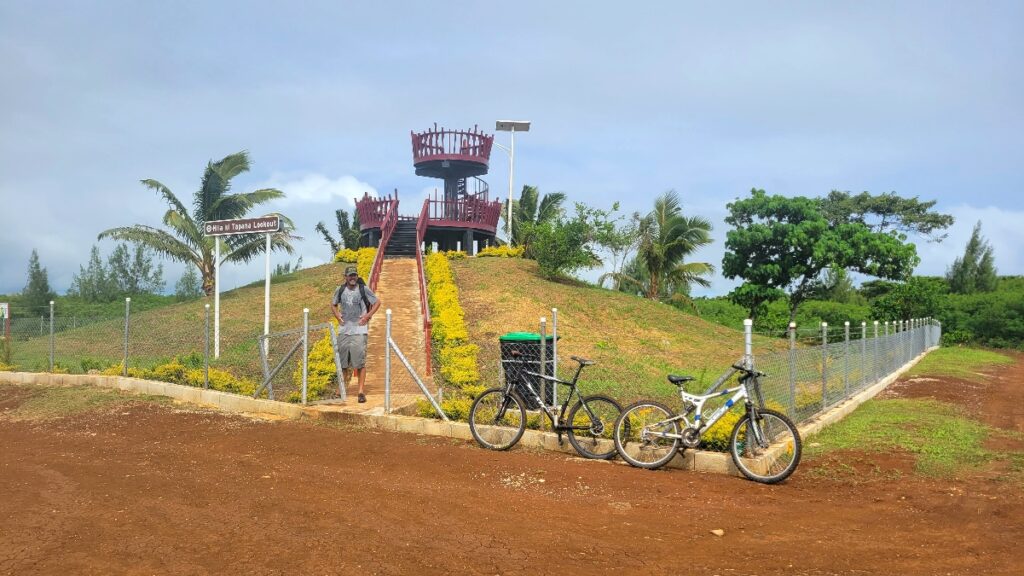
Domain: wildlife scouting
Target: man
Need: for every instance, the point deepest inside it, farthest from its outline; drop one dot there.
(353, 305)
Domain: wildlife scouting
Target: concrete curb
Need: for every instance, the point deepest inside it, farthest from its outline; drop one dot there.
(695, 460)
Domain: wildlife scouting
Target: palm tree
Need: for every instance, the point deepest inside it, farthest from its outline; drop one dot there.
(530, 209)
(185, 242)
(666, 238)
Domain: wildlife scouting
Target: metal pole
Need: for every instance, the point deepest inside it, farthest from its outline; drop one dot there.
(305, 351)
(541, 383)
(748, 343)
(792, 369)
(127, 317)
(387, 362)
(878, 372)
(554, 353)
(51, 335)
(511, 171)
(206, 348)
(216, 297)
(846, 358)
(266, 298)
(824, 365)
(864, 353)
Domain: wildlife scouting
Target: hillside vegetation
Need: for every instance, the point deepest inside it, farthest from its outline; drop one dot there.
(635, 342)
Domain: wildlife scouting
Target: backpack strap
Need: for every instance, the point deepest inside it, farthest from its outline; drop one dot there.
(362, 292)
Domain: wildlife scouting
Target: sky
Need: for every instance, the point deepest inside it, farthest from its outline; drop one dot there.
(627, 101)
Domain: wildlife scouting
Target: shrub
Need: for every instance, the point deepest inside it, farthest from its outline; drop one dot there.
(174, 372)
(957, 337)
(118, 370)
(457, 358)
(346, 255)
(223, 381)
(321, 372)
(364, 262)
(454, 254)
(717, 437)
(456, 408)
(4, 367)
(503, 251)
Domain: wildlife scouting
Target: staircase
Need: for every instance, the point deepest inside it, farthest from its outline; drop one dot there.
(403, 240)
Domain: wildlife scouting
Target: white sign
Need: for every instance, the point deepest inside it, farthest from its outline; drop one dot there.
(5, 310)
(264, 225)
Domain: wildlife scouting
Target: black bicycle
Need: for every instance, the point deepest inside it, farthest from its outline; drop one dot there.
(497, 418)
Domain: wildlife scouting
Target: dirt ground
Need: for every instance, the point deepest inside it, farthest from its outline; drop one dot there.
(146, 488)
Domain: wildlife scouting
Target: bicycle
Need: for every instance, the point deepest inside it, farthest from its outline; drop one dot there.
(497, 417)
(765, 444)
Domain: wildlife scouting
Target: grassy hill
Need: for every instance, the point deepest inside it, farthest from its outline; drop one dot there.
(635, 342)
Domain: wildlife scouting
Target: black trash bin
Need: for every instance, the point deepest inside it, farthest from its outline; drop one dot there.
(528, 345)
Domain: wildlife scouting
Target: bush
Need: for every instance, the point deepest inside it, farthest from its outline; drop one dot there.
(957, 337)
(454, 254)
(346, 255)
(321, 373)
(503, 251)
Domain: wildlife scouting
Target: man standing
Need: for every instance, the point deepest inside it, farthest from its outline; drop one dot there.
(353, 305)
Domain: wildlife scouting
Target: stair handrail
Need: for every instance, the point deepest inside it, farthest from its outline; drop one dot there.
(421, 230)
(387, 227)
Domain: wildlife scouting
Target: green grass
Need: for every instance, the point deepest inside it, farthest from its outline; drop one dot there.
(942, 440)
(961, 363)
(48, 403)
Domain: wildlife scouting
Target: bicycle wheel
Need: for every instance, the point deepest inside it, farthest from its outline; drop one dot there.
(497, 420)
(592, 426)
(771, 459)
(637, 437)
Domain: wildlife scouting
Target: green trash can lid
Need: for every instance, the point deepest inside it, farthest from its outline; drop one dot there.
(521, 337)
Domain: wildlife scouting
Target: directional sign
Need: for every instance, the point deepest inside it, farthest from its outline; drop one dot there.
(263, 225)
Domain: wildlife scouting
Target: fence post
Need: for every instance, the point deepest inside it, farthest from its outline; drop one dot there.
(554, 354)
(824, 365)
(864, 353)
(846, 358)
(51, 335)
(541, 383)
(878, 372)
(748, 343)
(387, 362)
(792, 369)
(305, 352)
(206, 349)
(127, 318)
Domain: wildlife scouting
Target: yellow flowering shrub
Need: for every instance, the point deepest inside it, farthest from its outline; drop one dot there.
(7, 367)
(454, 254)
(503, 251)
(118, 370)
(364, 262)
(346, 255)
(458, 365)
(717, 437)
(174, 371)
(222, 380)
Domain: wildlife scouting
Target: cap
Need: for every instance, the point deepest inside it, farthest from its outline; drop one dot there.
(350, 270)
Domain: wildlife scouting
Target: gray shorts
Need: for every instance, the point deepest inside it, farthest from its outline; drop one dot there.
(352, 350)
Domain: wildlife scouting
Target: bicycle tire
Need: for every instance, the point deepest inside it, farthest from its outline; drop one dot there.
(631, 443)
(778, 457)
(483, 419)
(588, 442)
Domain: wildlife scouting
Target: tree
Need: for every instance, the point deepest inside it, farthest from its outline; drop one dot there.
(92, 283)
(562, 247)
(666, 237)
(531, 210)
(133, 273)
(188, 285)
(185, 242)
(782, 245)
(348, 234)
(619, 238)
(975, 271)
(917, 298)
(37, 293)
(886, 213)
(287, 268)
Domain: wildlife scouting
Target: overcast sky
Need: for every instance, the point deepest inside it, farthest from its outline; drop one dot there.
(627, 101)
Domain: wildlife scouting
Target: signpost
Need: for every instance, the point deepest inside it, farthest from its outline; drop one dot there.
(5, 319)
(264, 225)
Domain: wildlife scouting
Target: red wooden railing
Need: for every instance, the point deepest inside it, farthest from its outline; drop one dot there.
(387, 227)
(372, 210)
(440, 144)
(467, 212)
(421, 230)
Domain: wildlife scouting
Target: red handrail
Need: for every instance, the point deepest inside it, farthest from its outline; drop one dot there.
(478, 213)
(387, 226)
(372, 210)
(441, 144)
(421, 230)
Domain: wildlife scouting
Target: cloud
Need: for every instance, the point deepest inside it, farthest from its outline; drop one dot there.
(317, 188)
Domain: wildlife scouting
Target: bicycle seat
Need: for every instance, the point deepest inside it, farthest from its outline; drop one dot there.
(583, 361)
(679, 380)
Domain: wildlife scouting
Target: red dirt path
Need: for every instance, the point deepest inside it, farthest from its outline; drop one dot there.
(149, 489)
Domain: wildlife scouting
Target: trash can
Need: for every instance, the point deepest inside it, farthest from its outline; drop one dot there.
(528, 344)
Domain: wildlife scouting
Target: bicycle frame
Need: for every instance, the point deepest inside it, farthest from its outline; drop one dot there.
(554, 417)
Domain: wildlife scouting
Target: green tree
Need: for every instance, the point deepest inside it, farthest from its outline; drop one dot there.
(975, 271)
(918, 297)
(618, 238)
(666, 237)
(348, 234)
(188, 286)
(886, 213)
(530, 211)
(37, 294)
(185, 241)
(93, 283)
(133, 272)
(563, 247)
(782, 245)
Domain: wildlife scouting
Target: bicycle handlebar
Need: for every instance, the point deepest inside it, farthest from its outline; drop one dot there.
(748, 371)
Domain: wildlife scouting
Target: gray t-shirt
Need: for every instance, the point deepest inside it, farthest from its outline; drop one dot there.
(353, 307)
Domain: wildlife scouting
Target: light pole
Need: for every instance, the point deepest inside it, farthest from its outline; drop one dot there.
(512, 126)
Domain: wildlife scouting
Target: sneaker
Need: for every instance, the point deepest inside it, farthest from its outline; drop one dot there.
(362, 398)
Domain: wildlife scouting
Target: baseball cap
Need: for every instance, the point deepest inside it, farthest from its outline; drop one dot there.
(350, 270)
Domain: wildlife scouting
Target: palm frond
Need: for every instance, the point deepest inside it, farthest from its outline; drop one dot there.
(550, 207)
(156, 239)
(168, 196)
